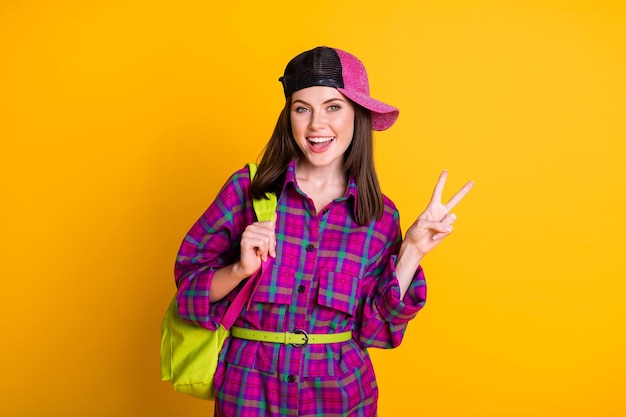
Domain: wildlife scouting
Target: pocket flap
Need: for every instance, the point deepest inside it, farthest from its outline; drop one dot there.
(275, 286)
(338, 291)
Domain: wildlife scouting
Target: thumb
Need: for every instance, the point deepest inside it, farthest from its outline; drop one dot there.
(444, 226)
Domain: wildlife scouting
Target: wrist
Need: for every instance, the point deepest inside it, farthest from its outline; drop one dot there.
(409, 254)
(407, 264)
(237, 272)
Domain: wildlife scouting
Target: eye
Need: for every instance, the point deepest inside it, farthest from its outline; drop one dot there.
(300, 109)
(334, 107)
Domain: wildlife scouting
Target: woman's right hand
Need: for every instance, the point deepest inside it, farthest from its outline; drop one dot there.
(258, 241)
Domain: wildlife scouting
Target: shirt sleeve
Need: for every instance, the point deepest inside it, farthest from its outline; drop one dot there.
(385, 314)
(212, 243)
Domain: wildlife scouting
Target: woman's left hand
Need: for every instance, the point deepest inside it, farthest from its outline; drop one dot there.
(435, 223)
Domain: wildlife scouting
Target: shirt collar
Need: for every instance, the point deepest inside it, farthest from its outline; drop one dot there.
(351, 190)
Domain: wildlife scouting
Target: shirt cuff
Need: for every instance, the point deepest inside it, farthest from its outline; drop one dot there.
(398, 311)
(193, 298)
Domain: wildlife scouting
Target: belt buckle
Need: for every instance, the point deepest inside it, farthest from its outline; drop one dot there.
(306, 338)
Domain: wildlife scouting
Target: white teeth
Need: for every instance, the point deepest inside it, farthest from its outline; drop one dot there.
(321, 140)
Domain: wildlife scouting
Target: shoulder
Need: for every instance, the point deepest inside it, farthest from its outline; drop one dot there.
(236, 187)
(389, 221)
(239, 179)
(389, 208)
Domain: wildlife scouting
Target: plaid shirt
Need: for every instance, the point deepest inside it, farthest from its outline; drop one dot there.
(330, 275)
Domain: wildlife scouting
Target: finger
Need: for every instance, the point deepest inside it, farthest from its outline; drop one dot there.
(435, 226)
(261, 249)
(449, 219)
(261, 238)
(254, 243)
(263, 256)
(440, 236)
(447, 222)
(268, 225)
(260, 230)
(459, 196)
(259, 243)
(438, 191)
(271, 226)
(273, 248)
(272, 244)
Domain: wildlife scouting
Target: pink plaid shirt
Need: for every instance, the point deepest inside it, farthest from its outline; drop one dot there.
(331, 275)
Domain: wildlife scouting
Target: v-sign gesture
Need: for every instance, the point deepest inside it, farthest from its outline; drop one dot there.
(435, 223)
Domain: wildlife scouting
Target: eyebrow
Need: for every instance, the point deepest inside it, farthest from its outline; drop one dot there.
(325, 102)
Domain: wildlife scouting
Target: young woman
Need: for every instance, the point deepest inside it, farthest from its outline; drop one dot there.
(335, 275)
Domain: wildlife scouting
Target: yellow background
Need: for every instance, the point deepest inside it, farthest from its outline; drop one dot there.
(120, 120)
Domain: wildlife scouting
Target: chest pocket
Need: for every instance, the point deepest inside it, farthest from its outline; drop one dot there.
(275, 285)
(338, 291)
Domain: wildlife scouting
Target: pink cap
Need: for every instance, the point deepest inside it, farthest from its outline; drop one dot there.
(332, 67)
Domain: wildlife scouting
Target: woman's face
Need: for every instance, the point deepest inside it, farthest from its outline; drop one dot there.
(322, 123)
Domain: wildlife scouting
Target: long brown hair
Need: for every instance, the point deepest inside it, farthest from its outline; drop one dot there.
(358, 162)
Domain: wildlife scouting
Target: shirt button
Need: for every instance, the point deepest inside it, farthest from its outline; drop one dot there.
(301, 288)
(310, 248)
(291, 378)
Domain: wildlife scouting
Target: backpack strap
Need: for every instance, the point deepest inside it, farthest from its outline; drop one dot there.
(265, 209)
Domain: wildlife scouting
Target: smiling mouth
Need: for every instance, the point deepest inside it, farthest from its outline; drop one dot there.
(318, 140)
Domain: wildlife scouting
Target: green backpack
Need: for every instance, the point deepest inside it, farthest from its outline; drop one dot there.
(190, 353)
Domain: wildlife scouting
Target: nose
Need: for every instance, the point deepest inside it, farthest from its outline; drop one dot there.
(317, 120)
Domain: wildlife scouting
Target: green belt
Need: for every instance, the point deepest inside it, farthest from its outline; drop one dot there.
(296, 338)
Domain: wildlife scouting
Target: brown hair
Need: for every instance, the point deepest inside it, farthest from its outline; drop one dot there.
(358, 162)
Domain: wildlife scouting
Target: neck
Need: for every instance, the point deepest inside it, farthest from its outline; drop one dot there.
(321, 184)
(321, 176)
